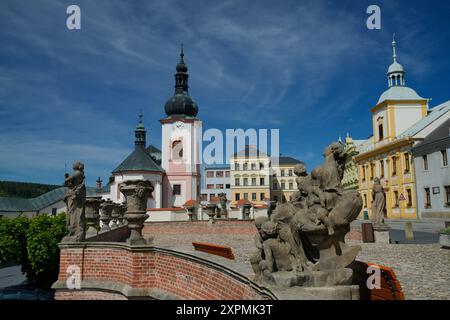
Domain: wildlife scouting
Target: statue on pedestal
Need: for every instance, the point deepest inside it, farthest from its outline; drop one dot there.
(75, 199)
(302, 243)
(378, 203)
(223, 204)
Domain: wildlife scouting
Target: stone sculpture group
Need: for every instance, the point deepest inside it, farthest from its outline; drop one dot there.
(302, 243)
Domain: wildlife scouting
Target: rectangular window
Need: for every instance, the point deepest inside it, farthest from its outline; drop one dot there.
(237, 196)
(219, 186)
(274, 186)
(246, 166)
(382, 168)
(253, 166)
(409, 195)
(253, 181)
(291, 185)
(363, 172)
(261, 165)
(282, 172)
(227, 174)
(396, 199)
(283, 186)
(210, 186)
(262, 196)
(237, 182)
(425, 162)
(176, 189)
(246, 196)
(394, 166)
(236, 166)
(444, 157)
(427, 198)
(261, 181)
(406, 155)
(219, 174)
(245, 181)
(209, 174)
(365, 201)
(290, 172)
(447, 195)
(211, 197)
(227, 186)
(254, 196)
(380, 132)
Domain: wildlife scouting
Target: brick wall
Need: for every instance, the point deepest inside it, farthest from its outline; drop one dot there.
(200, 227)
(119, 271)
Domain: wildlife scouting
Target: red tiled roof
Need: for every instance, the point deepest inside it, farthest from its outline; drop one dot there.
(243, 202)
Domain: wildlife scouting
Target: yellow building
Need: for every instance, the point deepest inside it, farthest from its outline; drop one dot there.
(250, 178)
(283, 183)
(396, 124)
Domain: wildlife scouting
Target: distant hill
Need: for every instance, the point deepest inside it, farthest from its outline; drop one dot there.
(24, 189)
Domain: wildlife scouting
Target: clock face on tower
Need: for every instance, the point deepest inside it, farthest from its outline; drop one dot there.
(179, 125)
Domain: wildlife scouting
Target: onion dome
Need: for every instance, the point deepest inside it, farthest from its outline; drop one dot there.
(181, 104)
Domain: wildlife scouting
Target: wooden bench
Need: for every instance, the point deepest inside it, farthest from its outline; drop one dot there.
(222, 251)
(390, 288)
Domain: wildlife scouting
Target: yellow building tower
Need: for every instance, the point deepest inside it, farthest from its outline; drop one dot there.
(387, 154)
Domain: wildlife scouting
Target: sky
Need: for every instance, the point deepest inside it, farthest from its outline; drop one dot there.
(311, 69)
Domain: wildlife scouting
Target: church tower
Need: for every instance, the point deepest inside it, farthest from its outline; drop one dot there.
(181, 143)
(399, 107)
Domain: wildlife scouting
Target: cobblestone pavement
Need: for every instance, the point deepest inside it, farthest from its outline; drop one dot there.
(422, 269)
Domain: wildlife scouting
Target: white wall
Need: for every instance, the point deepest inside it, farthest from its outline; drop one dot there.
(406, 116)
(155, 179)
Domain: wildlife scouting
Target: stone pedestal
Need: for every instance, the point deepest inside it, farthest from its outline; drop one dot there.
(136, 193)
(409, 234)
(92, 216)
(381, 233)
(105, 214)
(347, 292)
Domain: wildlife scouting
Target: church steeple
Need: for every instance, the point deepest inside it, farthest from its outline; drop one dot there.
(181, 105)
(181, 77)
(140, 134)
(396, 73)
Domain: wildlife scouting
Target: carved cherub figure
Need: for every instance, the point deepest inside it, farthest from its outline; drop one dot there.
(258, 256)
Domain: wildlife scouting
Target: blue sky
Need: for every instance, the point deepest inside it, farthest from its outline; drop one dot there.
(310, 68)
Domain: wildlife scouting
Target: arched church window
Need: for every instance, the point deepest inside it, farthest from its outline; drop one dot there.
(177, 150)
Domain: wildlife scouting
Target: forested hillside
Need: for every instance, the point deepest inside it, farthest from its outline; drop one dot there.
(23, 189)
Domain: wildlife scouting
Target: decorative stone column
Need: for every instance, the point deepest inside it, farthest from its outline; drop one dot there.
(136, 193)
(105, 214)
(210, 209)
(115, 213)
(122, 211)
(92, 207)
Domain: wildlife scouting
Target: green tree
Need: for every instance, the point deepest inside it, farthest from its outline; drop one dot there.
(43, 236)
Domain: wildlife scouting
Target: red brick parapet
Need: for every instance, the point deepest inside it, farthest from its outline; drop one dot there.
(231, 226)
(120, 271)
